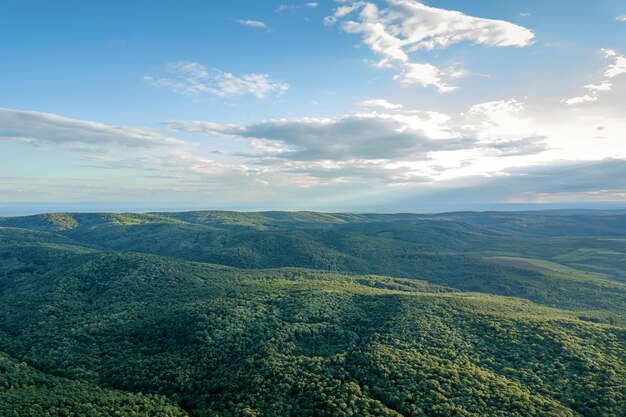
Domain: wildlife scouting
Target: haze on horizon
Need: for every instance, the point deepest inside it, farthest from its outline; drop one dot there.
(390, 105)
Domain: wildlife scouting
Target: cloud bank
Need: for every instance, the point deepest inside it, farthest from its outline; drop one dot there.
(500, 149)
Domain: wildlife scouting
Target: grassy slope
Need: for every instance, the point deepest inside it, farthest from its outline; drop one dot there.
(544, 224)
(551, 268)
(605, 256)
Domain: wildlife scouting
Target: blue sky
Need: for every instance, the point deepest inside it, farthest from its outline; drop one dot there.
(328, 105)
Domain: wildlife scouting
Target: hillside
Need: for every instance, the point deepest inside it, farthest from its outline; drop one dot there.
(439, 250)
(115, 311)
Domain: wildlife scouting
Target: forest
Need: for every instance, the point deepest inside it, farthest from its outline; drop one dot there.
(313, 314)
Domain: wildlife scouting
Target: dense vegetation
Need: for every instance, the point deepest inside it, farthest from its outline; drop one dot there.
(25, 391)
(122, 315)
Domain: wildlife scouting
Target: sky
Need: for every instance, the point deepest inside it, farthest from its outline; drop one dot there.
(390, 105)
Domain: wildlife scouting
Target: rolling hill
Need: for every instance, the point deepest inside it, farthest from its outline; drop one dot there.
(274, 314)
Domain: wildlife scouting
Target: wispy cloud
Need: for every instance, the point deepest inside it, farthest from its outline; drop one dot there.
(37, 127)
(192, 78)
(284, 7)
(253, 24)
(407, 26)
(621, 18)
(593, 91)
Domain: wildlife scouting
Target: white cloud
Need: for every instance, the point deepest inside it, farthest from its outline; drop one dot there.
(618, 67)
(580, 100)
(412, 26)
(383, 104)
(312, 4)
(407, 26)
(425, 75)
(37, 127)
(253, 23)
(588, 133)
(498, 108)
(191, 78)
(499, 122)
(621, 18)
(603, 86)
